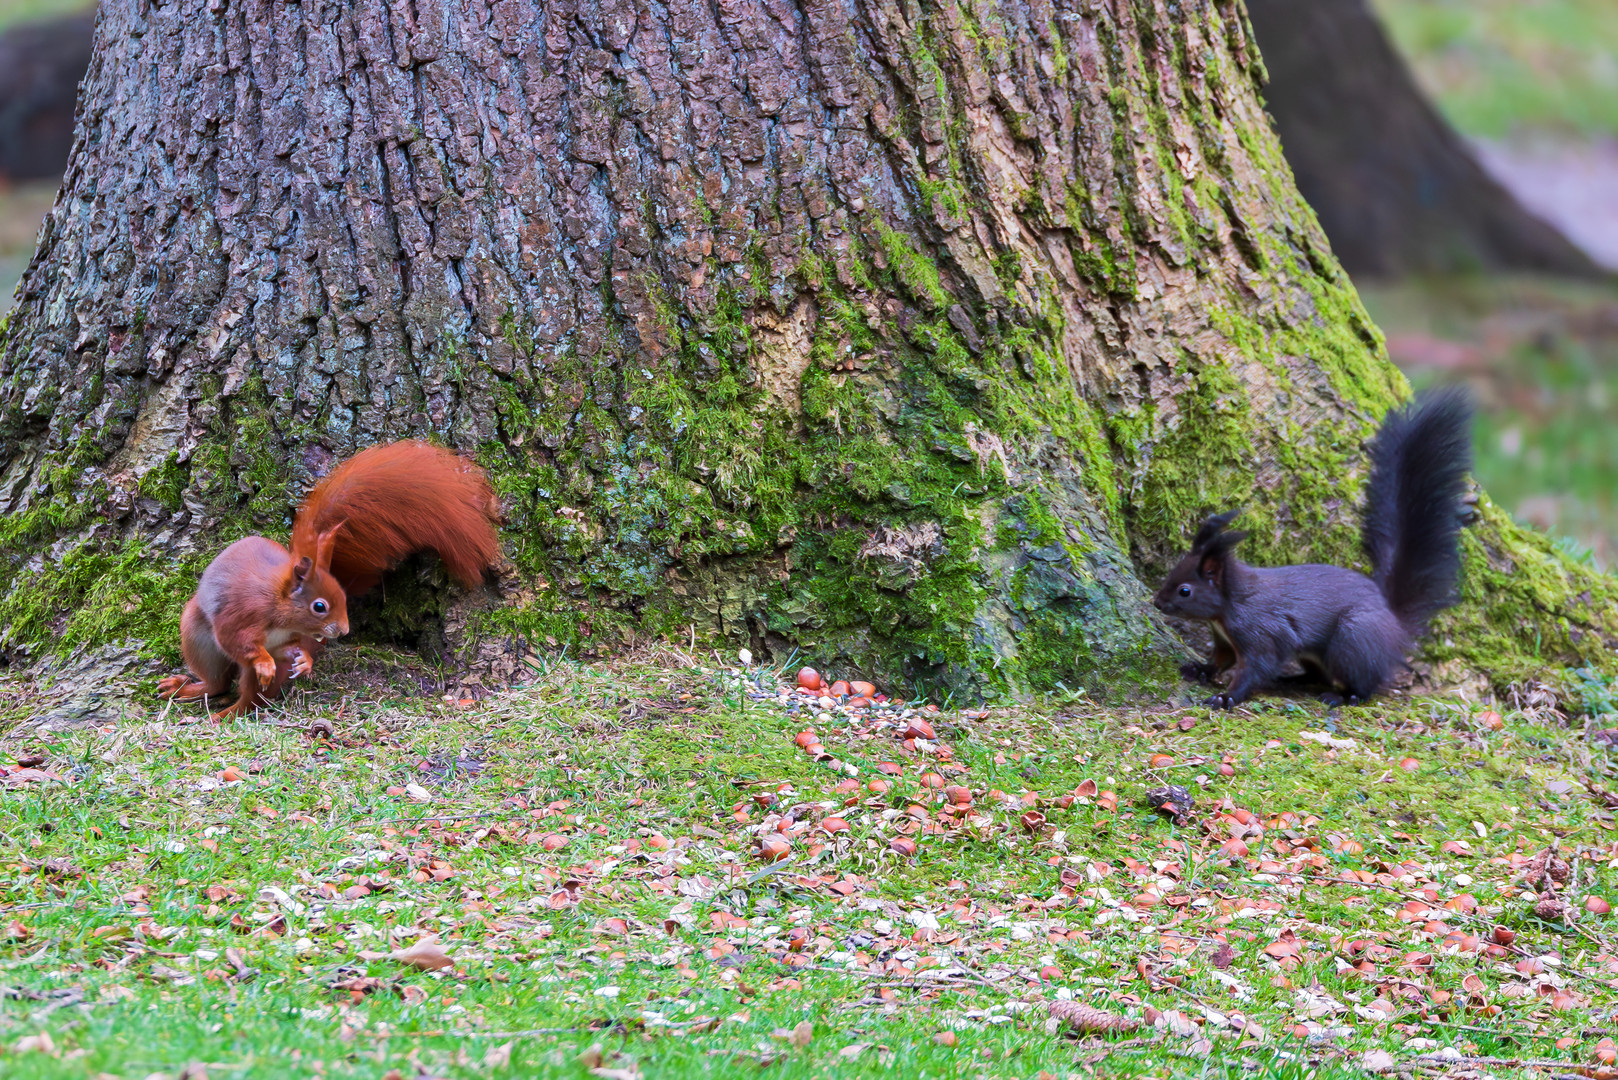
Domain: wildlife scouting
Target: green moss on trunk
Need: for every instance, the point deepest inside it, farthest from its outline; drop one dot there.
(935, 397)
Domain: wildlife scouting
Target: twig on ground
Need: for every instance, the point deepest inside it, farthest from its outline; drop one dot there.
(1497, 1062)
(1107, 1048)
(969, 980)
(431, 817)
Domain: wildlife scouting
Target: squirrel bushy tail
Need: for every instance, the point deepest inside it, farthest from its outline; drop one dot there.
(1412, 525)
(391, 501)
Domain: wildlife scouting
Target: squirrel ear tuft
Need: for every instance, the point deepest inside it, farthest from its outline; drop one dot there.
(301, 569)
(1213, 556)
(1212, 527)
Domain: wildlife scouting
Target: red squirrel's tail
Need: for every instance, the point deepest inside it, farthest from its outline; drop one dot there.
(389, 502)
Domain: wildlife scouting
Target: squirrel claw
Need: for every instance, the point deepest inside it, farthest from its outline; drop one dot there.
(1197, 672)
(1333, 700)
(300, 662)
(1221, 701)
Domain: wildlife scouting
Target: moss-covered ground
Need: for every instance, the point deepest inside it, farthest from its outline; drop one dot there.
(582, 854)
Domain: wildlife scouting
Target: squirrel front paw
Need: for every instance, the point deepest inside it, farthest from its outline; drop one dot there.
(1198, 672)
(300, 662)
(264, 668)
(170, 686)
(1221, 701)
(1333, 700)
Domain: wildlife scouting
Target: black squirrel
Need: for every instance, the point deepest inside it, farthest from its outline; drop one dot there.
(1352, 630)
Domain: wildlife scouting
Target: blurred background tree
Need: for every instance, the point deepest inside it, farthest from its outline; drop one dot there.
(1396, 188)
(1533, 87)
(1481, 229)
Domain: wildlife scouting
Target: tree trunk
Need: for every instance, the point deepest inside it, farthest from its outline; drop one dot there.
(1397, 190)
(914, 337)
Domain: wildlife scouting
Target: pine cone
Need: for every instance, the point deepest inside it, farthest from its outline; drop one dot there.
(1545, 867)
(1088, 1020)
(1550, 909)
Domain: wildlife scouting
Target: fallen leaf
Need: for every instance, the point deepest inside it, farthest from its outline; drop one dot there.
(426, 955)
(41, 1043)
(1376, 1061)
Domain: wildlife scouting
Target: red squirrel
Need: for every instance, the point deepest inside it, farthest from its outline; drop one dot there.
(261, 613)
(1351, 629)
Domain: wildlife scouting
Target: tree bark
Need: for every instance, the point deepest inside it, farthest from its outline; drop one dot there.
(1396, 189)
(911, 336)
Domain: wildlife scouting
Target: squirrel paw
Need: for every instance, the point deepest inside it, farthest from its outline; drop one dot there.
(1221, 701)
(170, 686)
(264, 668)
(1198, 672)
(301, 662)
(1333, 700)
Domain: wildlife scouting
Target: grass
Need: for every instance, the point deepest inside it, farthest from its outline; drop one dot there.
(233, 894)
(1542, 358)
(1497, 67)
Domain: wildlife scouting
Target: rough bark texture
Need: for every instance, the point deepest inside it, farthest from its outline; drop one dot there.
(913, 336)
(1396, 189)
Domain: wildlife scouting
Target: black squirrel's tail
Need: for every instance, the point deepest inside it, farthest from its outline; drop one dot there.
(1413, 510)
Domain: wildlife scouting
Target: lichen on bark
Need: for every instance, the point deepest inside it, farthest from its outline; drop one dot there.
(911, 336)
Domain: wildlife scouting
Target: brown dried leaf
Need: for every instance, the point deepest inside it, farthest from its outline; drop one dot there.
(425, 955)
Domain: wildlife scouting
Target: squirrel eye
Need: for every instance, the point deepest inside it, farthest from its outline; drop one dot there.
(318, 607)
(1185, 590)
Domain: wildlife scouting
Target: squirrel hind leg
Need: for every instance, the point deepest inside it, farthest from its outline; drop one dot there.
(211, 670)
(182, 688)
(249, 697)
(1365, 652)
